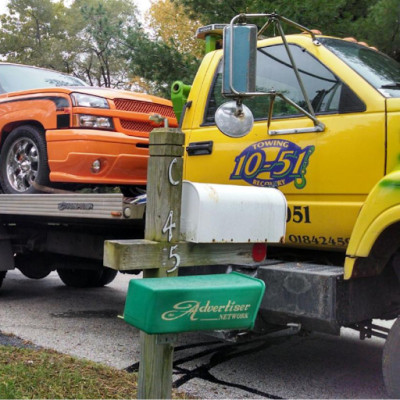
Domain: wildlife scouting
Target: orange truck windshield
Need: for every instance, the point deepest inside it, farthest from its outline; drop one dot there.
(15, 78)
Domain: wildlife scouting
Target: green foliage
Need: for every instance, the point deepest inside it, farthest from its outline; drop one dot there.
(375, 21)
(32, 31)
(84, 39)
(158, 62)
(102, 26)
(102, 42)
(381, 27)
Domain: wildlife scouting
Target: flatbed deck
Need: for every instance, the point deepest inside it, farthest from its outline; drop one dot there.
(98, 206)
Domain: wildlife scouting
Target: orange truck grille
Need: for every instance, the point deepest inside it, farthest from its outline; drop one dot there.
(136, 126)
(144, 107)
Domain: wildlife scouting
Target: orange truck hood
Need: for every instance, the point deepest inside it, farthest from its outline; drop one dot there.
(95, 91)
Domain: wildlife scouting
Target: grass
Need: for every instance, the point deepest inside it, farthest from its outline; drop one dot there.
(46, 374)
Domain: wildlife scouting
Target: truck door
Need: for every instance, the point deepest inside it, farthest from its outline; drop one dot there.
(326, 175)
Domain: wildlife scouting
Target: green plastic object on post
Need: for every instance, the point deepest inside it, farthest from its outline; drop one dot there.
(193, 303)
(179, 95)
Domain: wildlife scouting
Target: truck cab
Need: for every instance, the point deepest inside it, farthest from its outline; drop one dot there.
(321, 124)
(327, 176)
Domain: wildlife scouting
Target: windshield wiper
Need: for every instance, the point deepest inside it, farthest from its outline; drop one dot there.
(394, 85)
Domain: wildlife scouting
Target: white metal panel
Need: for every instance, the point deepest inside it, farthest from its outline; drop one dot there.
(229, 213)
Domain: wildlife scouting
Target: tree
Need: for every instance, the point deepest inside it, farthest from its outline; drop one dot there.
(382, 27)
(31, 32)
(168, 20)
(102, 26)
(85, 39)
(158, 63)
(375, 21)
(168, 52)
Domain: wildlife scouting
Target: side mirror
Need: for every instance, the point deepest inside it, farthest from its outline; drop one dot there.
(240, 57)
(239, 76)
(234, 119)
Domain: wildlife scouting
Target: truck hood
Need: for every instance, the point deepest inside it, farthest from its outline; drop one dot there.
(393, 104)
(110, 94)
(119, 94)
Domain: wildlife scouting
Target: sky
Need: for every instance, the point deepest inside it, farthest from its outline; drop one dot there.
(142, 5)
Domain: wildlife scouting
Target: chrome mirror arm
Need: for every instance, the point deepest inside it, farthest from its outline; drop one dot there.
(275, 19)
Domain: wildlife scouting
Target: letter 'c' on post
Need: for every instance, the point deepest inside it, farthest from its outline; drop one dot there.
(171, 179)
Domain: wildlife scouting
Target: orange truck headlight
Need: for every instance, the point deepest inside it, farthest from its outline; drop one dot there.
(92, 121)
(85, 100)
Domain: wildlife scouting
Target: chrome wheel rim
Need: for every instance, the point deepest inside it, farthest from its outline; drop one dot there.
(22, 164)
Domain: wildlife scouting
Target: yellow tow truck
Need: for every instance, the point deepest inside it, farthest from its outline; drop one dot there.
(317, 117)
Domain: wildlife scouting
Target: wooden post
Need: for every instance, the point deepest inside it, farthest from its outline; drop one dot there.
(160, 253)
(164, 193)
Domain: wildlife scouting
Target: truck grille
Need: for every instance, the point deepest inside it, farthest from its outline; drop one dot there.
(136, 126)
(144, 107)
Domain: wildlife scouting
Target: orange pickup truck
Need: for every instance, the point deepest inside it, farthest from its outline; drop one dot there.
(56, 128)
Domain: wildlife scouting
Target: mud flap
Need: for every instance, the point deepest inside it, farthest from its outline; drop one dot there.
(6, 253)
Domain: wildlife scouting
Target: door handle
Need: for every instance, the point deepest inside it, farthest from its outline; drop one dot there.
(199, 148)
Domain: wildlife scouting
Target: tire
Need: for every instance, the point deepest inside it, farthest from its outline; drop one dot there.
(35, 272)
(23, 159)
(33, 266)
(108, 275)
(80, 278)
(2, 276)
(132, 191)
(391, 361)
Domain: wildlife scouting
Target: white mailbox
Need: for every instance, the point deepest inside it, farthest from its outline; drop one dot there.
(214, 213)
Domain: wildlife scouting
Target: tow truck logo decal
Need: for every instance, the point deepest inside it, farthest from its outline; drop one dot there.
(273, 163)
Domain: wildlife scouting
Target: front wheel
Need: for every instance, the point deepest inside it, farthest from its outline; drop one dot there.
(391, 361)
(33, 266)
(23, 160)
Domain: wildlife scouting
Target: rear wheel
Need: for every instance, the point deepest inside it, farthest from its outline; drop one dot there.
(107, 276)
(79, 278)
(23, 160)
(97, 276)
(391, 361)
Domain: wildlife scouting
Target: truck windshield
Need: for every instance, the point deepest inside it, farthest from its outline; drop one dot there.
(14, 78)
(327, 93)
(378, 69)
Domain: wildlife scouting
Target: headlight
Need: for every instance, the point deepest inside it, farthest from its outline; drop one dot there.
(85, 100)
(92, 121)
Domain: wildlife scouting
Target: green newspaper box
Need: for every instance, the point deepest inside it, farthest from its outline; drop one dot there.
(193, 303)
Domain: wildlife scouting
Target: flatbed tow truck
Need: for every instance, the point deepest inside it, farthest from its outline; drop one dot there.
(338, 168)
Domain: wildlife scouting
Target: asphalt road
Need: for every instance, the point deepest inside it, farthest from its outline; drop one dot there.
(84, 323)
